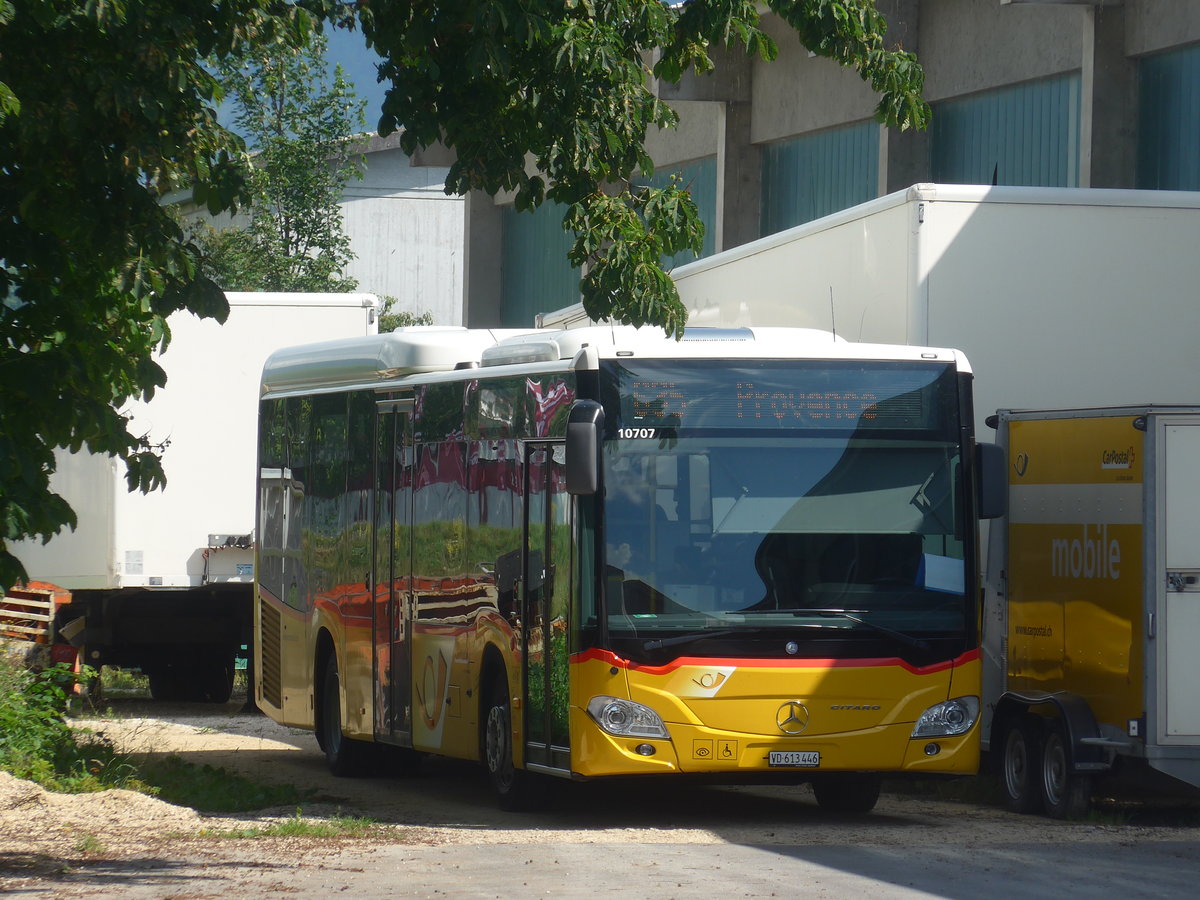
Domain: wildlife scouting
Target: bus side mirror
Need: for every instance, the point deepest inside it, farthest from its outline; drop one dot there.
(992, 469)
(585, 435)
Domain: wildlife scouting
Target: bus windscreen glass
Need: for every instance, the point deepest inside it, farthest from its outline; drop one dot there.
(784, 508)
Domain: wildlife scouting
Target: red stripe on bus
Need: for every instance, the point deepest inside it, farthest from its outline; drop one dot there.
(611, 658)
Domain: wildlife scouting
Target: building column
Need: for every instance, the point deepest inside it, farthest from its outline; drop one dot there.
(739, 178)
(483, 261)
(1108, 112)
(903, 159)
(904, 156)
(739, 160)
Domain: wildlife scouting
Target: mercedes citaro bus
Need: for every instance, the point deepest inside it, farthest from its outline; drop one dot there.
(601, 552)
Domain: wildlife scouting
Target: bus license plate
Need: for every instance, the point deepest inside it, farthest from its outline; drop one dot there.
(804, 759)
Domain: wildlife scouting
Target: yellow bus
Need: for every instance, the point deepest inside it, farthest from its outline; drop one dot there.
(601, 552)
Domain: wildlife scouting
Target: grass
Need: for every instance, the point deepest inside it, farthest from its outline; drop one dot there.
(131, 683)
(983, 789)
(89, 843)
(1107, 815)
(210, 789)
(297, 826)
(116, 682)
(1122, 809)
(1152, 808)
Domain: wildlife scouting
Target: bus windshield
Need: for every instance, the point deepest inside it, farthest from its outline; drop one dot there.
(784, 509)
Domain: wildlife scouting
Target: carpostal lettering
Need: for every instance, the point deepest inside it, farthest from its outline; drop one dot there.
(1117, 459)
(1092, 555)
(1034, 630)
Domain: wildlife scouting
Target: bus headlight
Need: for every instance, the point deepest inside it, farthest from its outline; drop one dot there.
(947, 719)
(625, 718)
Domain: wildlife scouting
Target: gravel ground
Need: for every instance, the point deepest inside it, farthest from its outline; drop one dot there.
(50, 843)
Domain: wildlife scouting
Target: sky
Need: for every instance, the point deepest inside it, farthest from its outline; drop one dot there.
(348, 49)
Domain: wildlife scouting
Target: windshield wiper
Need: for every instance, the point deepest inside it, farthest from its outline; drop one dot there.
(914, 642)
(852, 615)
(693, 636)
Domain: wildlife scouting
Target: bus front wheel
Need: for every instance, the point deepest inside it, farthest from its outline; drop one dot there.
(847, 793)
(515, 789)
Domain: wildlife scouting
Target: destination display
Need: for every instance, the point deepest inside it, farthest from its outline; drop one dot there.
(751, 401)
(785, 396)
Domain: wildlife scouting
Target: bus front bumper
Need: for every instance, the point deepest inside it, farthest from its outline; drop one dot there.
(695, 749)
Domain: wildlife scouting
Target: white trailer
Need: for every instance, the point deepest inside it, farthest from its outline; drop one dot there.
(163, 581)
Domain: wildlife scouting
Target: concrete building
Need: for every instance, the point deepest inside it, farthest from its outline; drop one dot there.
(408, 237)
(1089, 93)
(1052, 93)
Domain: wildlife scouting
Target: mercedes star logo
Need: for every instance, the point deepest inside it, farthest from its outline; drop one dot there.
(792, 717)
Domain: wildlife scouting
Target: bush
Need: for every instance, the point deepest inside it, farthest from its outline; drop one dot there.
(37, 744)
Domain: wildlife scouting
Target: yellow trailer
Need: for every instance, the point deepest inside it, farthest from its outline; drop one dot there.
(1092, 603)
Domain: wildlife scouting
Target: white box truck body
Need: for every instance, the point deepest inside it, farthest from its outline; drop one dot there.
(153, 575)
(1059, 297)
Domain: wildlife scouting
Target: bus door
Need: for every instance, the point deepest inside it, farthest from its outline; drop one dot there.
(545, 589)
(392, 566)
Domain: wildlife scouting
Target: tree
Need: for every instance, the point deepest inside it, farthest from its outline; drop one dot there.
(391, 318)
(568, 83)
(106, 106)
(299, 123)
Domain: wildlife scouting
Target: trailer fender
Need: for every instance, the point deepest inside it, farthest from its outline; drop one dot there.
(1086, 752)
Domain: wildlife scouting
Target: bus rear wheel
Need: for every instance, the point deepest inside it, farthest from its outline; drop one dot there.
(347, 758)
(857, 793)
(516, 789)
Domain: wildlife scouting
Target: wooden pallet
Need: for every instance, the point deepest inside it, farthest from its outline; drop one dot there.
(27, 614)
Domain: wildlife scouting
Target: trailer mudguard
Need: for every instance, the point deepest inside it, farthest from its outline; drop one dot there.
(1085, 744)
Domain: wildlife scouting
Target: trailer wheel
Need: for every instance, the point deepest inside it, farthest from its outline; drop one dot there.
(1022, 789)
(516, 790)
(215, 678)
(347, 758)
(847, 793)
(164, 685)
(1066, 794)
